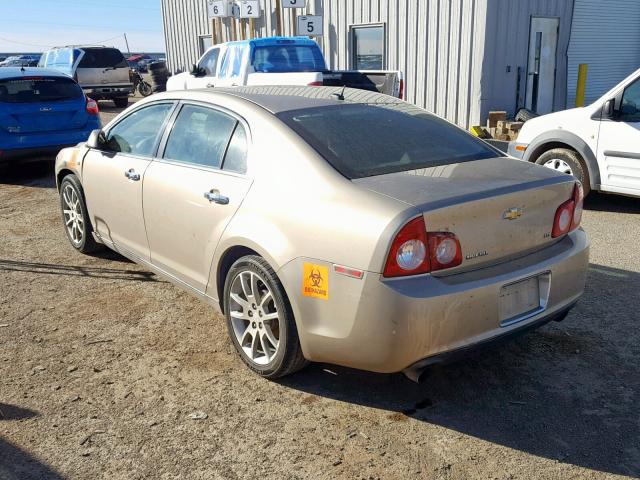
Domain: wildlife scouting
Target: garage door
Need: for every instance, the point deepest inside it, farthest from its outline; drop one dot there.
(604, 35)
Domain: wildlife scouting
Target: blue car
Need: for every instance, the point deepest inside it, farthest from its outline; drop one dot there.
(41, 112)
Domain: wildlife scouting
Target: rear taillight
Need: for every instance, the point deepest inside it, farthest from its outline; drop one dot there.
(314, 84)
(578, 199)
(415, 251)
(444, 250)
(569, 214)
(92, 106)
(401, 96)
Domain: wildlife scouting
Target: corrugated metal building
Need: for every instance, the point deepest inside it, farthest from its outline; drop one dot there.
(461, 58)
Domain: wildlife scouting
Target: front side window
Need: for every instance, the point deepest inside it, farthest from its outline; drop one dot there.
(39, 89)
(209, 63)
(630, 108)
(368, 47)
(200, 136)
(361, 140)
(137, 133)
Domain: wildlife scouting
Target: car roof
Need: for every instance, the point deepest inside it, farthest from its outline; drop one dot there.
(277, 99)
(13, 72)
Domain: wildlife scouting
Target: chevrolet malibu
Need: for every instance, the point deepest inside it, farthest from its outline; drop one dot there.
(330, 225)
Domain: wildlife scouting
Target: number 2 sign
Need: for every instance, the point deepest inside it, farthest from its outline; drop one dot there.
(250, 9)
(310, 25)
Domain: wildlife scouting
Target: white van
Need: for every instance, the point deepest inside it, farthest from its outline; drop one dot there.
(598, 144)
(102, 72)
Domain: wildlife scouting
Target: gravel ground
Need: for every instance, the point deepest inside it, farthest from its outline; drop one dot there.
(107, 371)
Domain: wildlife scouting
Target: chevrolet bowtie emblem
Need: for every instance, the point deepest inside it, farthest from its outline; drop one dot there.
(512, 213)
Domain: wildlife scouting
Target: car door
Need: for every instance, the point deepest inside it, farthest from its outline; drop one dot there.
(619, 145)
(193, 191)
(112, 178)
(208, 63)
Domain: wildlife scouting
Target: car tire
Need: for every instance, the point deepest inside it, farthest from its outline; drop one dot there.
(567, 161)
(75, 218)
(261, 327)
(121, 102)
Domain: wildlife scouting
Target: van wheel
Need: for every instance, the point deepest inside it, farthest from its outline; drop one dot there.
(121, 102)
(566, 161)
(259, 319)
(77, 224)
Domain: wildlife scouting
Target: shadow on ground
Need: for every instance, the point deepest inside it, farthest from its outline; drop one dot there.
(612, 203)
(38, 172)
(568, 392)
(16, 464)
(78, 270)
(13, 412)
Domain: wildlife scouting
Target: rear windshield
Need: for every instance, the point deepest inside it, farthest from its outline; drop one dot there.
(364, 140)
(287, 58)
(38, 89)
(102, 58)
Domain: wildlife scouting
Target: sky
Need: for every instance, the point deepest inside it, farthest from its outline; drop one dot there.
(35, 25)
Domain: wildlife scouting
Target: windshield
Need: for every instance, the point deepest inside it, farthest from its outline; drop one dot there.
(362, 140)
(287, 58)
(38, 89)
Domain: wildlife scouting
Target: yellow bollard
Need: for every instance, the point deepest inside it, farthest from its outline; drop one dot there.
(582, 84)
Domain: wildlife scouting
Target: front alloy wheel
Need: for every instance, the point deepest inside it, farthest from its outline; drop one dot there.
(72, 213)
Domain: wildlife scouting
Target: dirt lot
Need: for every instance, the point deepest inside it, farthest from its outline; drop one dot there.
(103, 366)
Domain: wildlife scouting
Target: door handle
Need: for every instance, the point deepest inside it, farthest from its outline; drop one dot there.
(214, 197)
(132, 175)
(210, 85)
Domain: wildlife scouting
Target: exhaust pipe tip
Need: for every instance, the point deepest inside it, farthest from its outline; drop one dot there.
(415, 373)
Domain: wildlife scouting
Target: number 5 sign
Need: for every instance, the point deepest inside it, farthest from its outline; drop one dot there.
(310, 25)
(293, 3)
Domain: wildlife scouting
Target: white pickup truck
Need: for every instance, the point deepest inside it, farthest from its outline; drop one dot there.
(599, 144)
(278, 61)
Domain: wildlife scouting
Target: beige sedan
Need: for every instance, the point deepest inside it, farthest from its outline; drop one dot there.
(335, 226)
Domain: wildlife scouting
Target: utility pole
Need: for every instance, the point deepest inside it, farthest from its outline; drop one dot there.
(127, 42)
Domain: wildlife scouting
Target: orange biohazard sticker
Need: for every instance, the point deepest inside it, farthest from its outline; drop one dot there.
(315, 281)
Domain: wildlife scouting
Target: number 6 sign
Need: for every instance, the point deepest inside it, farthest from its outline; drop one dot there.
(310, 25)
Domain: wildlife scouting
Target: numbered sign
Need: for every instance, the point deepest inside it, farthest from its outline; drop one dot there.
(310, 25)
(219, 8)
(293, 3)
(250, 9)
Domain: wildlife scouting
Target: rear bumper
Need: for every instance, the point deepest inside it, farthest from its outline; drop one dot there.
(108, 92)
(389, 325)
(44, 144)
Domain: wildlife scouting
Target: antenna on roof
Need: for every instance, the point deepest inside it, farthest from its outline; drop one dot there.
(339, 96)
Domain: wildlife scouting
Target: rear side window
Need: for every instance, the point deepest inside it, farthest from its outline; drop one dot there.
(287, 58)
(236, 158)
(362, 140)
(102, 58)
(200, 136)
(38, 89)
(137, 133)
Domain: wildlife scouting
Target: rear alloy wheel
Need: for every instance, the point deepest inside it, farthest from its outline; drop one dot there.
(259, 319)
(568, 162)
(74, 215)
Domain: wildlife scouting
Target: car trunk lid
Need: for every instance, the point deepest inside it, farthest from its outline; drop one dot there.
(498, 208)
(39, 104)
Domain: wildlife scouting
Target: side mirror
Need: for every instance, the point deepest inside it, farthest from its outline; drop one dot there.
(197, 71)
(97, 139)
(609, 109)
